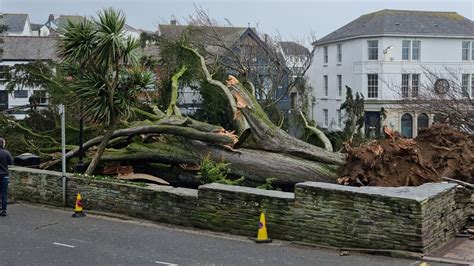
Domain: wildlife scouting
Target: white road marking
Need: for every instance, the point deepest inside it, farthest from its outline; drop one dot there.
(63, 245)
(166, 263)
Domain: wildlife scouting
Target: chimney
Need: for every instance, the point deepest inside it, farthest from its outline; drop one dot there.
(51, 17)
(265, 36)
(173, 22)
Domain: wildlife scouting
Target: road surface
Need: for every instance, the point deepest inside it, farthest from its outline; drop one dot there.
(35, 235)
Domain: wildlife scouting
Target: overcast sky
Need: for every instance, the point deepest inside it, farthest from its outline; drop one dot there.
(292, 19)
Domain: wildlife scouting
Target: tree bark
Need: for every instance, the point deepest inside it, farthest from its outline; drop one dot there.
(326, 142)
(173, 108)
(255, 165)
(103, 144)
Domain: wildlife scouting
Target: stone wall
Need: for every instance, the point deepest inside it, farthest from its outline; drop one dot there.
(407, 218)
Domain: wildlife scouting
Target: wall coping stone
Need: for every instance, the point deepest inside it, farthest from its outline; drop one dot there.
(180, 191)
(37, 171)
(248, 190)
(172, 190)
(419, 193)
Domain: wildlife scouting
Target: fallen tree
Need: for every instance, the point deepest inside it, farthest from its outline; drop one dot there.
(257, 149)
(437, 152)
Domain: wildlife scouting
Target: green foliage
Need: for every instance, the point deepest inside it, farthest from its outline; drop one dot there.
(268, 184)
(215, 172)
(215, 107)
(354, 109)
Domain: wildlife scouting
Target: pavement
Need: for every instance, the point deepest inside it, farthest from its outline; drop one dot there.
(459, 250)
(38, 235)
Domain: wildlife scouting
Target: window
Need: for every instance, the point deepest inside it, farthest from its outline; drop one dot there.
(465, 85)
(326, 89)
(3, 74)
(373, 50)
(411, 48)
(472, 85)
(422, 121)
(405, 82)
(372, 86)
(472, 50)
(41, 97)
(407, 125)
(465, 50)
(325, 55)
(405, 50)
(415, 85)
(339, 118)
(339, 85)
(415, 50)
(20, 94)
(339, 53)
(326, 117)
(410, 82)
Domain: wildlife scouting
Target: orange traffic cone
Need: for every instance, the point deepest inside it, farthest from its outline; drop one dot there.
(262, 236)
(78, 212)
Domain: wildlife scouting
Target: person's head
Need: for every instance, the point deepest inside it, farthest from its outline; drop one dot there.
(2, 143)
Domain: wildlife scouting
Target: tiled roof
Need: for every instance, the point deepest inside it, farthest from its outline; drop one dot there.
(27, 48)
(293, 48)
(204, 35)
(403, 22)
(15, 22)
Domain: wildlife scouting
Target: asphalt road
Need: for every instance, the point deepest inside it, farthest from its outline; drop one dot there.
(34, 235)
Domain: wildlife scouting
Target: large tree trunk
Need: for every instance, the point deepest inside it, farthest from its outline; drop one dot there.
(100, 150)
(255, 165)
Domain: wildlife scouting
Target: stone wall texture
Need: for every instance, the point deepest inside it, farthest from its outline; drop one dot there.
(416, 219)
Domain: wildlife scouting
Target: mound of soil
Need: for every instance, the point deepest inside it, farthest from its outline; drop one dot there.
(437, 151)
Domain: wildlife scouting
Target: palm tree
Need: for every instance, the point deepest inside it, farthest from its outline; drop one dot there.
(105, 76)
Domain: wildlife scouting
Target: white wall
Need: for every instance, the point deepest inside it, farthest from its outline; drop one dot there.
(12, 101)
(435, 54)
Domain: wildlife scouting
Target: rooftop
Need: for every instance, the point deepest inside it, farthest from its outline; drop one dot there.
(15, 22)
(403, 22)
(28, 48)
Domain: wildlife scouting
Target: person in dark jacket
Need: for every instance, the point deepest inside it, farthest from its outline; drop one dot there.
(5, 160)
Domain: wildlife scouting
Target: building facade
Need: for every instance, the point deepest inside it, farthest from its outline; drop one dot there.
(388, 56)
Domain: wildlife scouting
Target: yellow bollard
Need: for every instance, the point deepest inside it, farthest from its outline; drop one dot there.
(78, 211)
(262, 236)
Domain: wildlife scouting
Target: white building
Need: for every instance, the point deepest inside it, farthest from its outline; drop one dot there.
(17, 24)
(385, 56)
(22, 50)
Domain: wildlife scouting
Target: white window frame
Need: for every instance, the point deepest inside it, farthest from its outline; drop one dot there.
(339, 85)
(372, 89)
(472, 85)
(418, 53)
(465, 85)
(410, 86)
(326, 85)
(415, 87)
(339, 53)
(405, 85)
(465, 51)
(406, 50)
(326, 117)
(376, 48)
